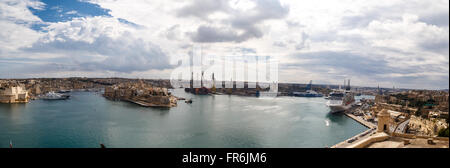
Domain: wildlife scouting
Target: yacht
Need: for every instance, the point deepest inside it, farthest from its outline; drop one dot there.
(54, 96)
(64, 91)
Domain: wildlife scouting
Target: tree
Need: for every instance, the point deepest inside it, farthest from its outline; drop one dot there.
(418, 112)
(443, 132)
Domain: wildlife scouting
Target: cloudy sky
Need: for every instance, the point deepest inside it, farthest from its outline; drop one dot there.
(385, 42)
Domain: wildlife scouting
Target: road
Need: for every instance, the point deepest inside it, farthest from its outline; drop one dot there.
(401, 127)
(353, 140)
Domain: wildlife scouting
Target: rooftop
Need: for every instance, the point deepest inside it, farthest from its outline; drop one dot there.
(399, 142)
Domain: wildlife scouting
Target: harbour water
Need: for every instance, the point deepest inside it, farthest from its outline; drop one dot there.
(87, 120)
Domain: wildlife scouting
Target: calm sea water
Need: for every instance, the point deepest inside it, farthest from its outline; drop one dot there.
(87, 119)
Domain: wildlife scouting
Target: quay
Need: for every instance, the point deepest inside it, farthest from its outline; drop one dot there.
(355, 139)
(148, 104)
(143, 104)
(360, 120)
(348, 143)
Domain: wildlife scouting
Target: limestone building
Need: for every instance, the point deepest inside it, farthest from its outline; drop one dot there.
(13, 94)
(383, 121)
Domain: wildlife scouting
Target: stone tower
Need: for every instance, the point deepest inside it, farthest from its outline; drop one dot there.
(383, 121)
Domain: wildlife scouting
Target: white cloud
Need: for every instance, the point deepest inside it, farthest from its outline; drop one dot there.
(100, 43)
(14, 36)
(72, 12)
(15, 21)
(407, 35)
(16, 11)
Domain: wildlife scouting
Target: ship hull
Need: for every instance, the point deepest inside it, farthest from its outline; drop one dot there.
(55, 98)
(62, 97)
(308, 95)
(339, 108)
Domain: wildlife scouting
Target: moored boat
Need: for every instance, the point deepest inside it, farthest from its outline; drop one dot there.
(54, 96)
(341, 100)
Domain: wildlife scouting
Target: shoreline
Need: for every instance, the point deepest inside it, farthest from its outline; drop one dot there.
(361, 121)
(359, 137)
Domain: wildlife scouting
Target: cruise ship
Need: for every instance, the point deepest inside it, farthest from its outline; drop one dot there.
(341, 100)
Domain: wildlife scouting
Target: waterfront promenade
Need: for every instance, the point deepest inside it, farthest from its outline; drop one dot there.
(361, 121)
(355, 139)
(360, 137)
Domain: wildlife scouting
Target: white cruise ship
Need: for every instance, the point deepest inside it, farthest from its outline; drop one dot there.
(341, 100)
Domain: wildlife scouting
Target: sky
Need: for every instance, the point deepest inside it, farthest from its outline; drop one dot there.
(401, 43)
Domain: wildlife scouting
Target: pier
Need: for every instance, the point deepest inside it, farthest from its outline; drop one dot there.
(349, 143)
(361, 121)
(147, 104)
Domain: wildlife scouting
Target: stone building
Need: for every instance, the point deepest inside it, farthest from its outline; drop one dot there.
(383, 121)
(13, 94)
(145, 95)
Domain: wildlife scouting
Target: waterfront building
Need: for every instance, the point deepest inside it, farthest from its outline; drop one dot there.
(142, 94)
(36, 90)
(13, 94)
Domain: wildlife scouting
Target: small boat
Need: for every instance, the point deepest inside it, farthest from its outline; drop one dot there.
(188, 101)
